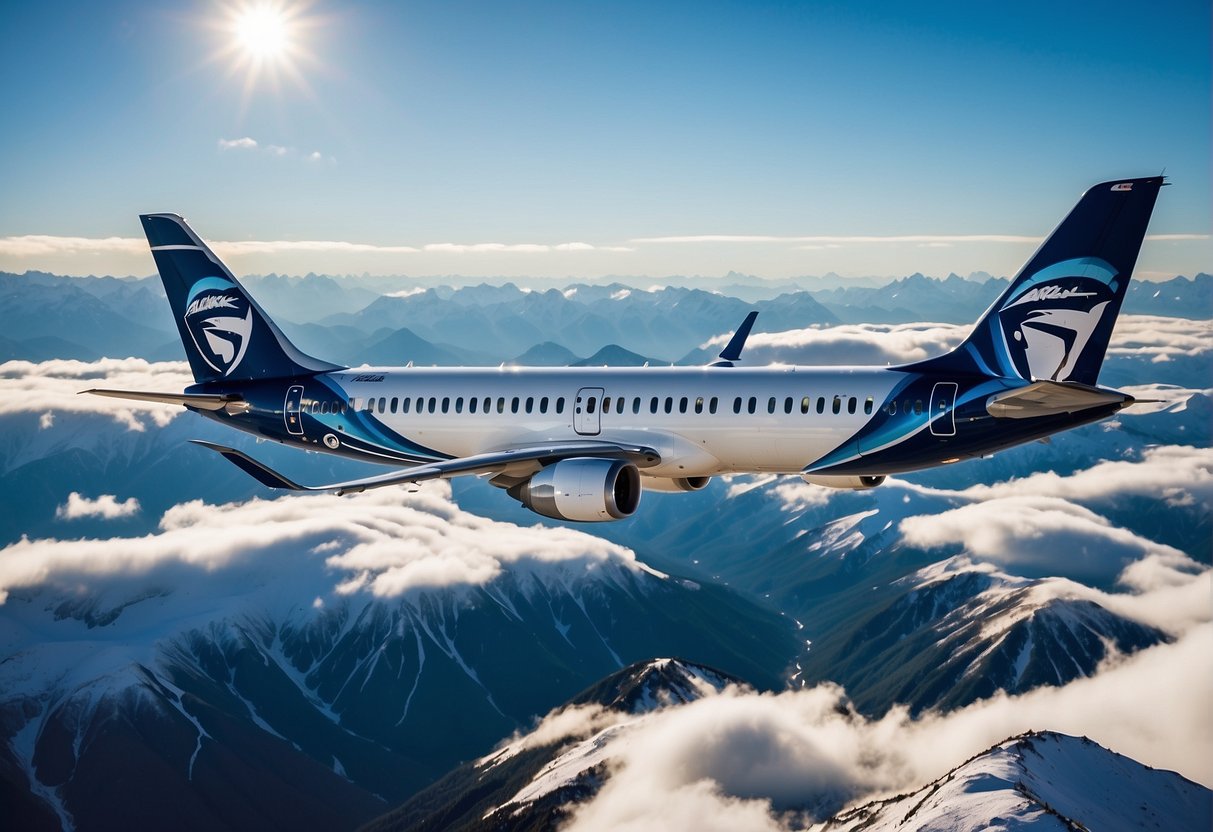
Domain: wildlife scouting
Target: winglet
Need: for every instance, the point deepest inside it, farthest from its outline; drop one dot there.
(732, 351)
(264, 475)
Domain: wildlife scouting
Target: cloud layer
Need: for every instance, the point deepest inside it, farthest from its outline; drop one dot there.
(48, 387)
(743, 760)
(383, 544)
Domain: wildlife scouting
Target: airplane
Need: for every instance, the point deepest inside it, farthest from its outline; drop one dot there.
(584, 443)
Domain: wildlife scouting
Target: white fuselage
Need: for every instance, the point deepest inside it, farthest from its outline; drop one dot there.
(702, 421)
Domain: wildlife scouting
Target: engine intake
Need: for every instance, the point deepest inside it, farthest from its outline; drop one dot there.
(585, 490)
(859, 483)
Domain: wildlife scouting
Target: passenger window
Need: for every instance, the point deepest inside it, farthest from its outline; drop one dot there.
(837, 404)
(530, 404)
(893, 407)
(501, 404)
(821, 404)
(636, 405)
(917, 406)
(446, 403)
(472, 403)
(682, 405)
(804, 404)
(560, 405)
(851, 403)
(753, 404)
(669, 404)
(699, 404)
(543, 405)
(619, 405)
(324, 407)
(433, 404)
(606, 404)
(653, 405)
(488, 404)
(712, 405)
(459, 405)
(771, 405)
(383, 404)
(737, 405)
(591, 403)
(341, 408)
(514, 405)
(404, 404)
(395, 403)
(867, 405)
(787, 405)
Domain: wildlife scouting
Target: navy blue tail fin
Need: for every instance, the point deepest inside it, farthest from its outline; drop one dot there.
(227, 336)
(1055, 319)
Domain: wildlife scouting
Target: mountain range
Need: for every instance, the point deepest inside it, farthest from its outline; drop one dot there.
(179, 648)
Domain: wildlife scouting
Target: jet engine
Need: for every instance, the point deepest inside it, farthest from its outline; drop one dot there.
(675, 486)
(846, 483)
(586, 490)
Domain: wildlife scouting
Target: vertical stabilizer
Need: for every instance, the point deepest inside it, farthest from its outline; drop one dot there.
(227, 336)
(1055, 320)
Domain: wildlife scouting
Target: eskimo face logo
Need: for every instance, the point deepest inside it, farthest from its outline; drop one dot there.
(1048, 324)
(220, 321)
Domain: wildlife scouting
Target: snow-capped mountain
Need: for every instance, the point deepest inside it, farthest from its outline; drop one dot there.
(291, 677)
(956, 632)
(529, 781)
(1045, 781)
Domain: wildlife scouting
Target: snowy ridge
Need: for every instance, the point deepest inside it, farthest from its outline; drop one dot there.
(1048, 780)
(630, 697)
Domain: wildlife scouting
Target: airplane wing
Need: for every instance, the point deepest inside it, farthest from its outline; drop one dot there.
(200, 401)
(1049, 398)
(487, 463)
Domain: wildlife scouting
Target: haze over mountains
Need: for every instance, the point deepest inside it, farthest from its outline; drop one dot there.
(44, 316)
(246, 660)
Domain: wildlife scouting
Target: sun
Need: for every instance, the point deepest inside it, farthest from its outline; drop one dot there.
(263, 32)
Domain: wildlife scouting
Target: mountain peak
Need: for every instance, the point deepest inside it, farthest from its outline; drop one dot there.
(649, 685)
(1037, 777)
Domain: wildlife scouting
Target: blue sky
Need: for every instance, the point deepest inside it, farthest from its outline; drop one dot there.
(570, 135)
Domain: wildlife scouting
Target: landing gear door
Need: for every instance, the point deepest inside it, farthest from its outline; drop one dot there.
(292, 410)
(943, 408)
(586, 411)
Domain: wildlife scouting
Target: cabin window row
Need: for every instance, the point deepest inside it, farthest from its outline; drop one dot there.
(459, 404)
(807, 404)
(616, 404)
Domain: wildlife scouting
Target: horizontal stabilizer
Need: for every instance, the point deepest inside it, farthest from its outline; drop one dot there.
(198, 401)
(479, 464)
(1050, 398)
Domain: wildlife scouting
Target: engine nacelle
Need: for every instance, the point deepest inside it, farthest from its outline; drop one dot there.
(586, 490)
(847, 483)
(679, 485)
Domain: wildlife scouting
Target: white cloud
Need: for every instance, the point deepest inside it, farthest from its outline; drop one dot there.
(54, 386)
(849, 344)
(41, 245)
(866, 239)
(245, 143)
(1032, 532)
(384, 544)
(743, 760)
(105, 507)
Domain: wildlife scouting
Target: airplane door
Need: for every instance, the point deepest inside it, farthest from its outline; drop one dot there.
(586, 411)
(291, 410)
(943, 408)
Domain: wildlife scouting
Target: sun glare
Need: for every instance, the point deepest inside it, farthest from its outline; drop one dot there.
(262, 32)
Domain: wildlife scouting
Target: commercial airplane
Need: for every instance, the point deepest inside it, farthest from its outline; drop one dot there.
(583, 443)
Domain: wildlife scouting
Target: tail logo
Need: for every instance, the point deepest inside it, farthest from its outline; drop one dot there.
(220, 322)
(1047, 326)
